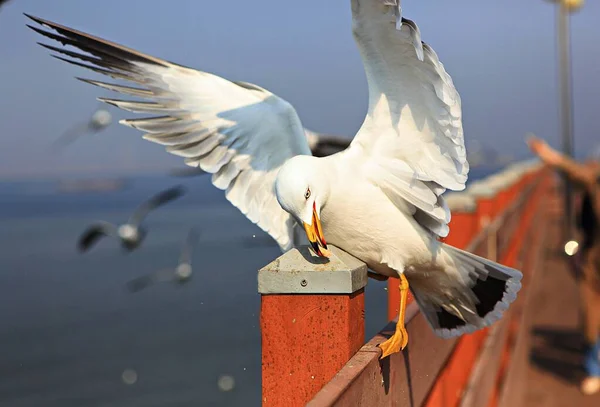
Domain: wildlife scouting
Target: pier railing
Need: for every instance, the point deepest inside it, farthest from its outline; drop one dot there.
(312, 316)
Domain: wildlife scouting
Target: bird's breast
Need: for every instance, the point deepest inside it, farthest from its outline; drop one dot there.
(368, 226)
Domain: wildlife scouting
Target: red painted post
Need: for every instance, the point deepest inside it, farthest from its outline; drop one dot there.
(312, 322)
(463, 223)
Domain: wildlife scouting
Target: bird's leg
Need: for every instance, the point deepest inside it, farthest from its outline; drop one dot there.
(399, 340)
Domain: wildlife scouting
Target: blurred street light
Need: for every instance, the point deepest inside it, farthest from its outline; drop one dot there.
(564, 9)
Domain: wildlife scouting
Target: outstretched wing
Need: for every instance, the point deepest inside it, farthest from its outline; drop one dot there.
(157, 200)
(239, 132)
(321, 145)
(93, 233)
(412, 133)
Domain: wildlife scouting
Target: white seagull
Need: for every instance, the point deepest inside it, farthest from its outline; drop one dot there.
(132, 233)
(180, 274)
(379, 200)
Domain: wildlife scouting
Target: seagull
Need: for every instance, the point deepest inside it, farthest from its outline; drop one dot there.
(180, 274)
(131, 234)
(380, 199)
(321, 145)
(3, 2)
(99, 121)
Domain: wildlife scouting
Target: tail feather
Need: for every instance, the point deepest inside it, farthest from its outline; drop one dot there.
(474, 298)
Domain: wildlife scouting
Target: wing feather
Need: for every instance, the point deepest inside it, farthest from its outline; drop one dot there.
(412, 134)
(238, 131)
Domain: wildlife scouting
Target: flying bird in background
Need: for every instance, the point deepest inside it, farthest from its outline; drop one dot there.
(130, 234)
(3, 2)
(99, 121)
(379, 200)
(180, 274)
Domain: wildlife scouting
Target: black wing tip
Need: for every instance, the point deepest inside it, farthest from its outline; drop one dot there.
(67, 60)
(90, 236)
(39, 30)
(83, 247)
(179, 188)
(41, 21)
(108, 101)
(86, 80)
(86, 241)
(34, 18)
(85, 40)
(49, 47)
(175, 192)
(163, 197)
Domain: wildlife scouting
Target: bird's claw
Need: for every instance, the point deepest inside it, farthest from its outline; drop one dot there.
(395, 344)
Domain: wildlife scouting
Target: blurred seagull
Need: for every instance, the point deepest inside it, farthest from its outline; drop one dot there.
(379, 200)
(131, 234)
(180, 274)
(99, 121)
(321, 145)
(3, 2)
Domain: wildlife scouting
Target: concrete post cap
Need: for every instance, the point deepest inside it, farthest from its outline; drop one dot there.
(300, 271)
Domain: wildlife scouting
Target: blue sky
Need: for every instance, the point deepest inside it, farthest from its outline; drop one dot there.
(500, 54)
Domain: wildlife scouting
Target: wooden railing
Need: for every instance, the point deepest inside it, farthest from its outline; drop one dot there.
(312, 316)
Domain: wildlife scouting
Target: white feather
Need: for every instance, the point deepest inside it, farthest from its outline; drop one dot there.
(414, 122)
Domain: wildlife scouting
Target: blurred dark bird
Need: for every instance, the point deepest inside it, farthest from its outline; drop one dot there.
(180, 274)
(3, 2)
(131, 234)
(321, 145)
(99, 121)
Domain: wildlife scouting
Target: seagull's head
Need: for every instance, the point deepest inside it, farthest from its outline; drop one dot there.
(302, 191)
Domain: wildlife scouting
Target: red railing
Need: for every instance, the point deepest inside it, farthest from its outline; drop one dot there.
(312, 317)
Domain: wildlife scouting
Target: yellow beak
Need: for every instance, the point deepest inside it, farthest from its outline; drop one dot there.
(314, 233)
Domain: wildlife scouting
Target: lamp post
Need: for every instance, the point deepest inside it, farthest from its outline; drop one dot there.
(565, 8)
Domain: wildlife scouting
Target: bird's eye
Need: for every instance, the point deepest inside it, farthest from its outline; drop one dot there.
(307, 194)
